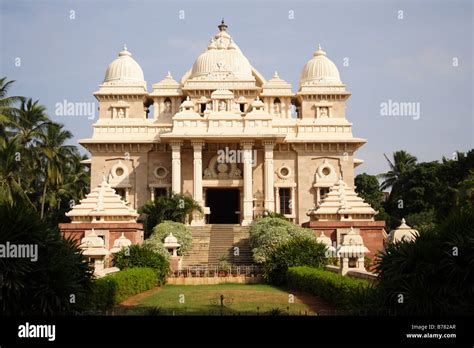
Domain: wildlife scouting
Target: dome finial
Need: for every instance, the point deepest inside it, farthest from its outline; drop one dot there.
(125, 47)
(222, 26)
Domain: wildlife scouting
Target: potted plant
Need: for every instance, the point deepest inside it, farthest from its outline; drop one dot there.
(224, 266)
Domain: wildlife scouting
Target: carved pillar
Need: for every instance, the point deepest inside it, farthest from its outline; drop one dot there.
(268, 175)
(176, 166)
(277, 199)
(152, 193)
(248, 196)
(293, 202)
(197, 180)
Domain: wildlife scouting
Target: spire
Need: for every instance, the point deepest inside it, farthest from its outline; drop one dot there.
(222, 26)
(319, 52)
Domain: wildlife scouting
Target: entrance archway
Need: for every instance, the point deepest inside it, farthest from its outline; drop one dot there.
(224, 204)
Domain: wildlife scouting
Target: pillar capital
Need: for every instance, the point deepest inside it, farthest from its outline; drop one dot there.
(268, 144)
(176, 144)
(198, 144)
(247, 144)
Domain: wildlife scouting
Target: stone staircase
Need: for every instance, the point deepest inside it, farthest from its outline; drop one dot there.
(212, 241)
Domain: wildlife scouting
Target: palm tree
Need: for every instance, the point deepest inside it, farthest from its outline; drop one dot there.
(175, 208)
(11, 171)
(56, 157)
(402, 162)
(28, 121)
(6, 103)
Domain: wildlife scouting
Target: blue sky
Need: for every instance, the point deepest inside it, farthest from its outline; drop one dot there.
(403, 60)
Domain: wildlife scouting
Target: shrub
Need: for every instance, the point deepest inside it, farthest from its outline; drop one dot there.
(434, 273)
(266, 234)
(178, 208)
(339, 290)
(142, 256)
(42, 287)
(179, 230)
(296, 252)
(114, 288)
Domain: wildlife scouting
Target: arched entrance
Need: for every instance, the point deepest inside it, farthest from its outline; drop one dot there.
(224, 205)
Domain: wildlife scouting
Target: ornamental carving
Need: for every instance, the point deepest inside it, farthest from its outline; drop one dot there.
(222, 170)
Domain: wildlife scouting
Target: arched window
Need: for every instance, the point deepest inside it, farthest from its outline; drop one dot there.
(277, 106)
(167, 103)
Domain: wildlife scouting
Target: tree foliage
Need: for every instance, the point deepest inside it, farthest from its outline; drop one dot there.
(44, 286)
(176, 208)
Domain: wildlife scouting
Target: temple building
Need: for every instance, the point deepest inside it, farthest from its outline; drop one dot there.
(239, 144)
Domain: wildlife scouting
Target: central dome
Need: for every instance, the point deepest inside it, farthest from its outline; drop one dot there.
(223, 58)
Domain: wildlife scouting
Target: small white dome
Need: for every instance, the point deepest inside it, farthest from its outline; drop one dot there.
(124, 69)
(171, 239)
(320, 70)
(402, 233)
(222, 57)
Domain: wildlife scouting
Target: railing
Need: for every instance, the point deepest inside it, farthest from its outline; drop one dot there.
(217, 271)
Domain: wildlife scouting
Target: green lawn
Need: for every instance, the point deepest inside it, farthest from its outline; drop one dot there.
(243, 299)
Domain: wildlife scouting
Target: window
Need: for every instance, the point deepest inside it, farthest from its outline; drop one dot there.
(167, 105)
(160, 192)
(242, 107)
(323, 192)
(121, 193)
(203, 108)
(277, 106)
(285, 200)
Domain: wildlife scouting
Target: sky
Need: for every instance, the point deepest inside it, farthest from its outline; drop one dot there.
(387, 52)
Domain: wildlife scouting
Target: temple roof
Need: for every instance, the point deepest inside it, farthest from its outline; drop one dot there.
(342, 200)
(402, 233)
(103, 204)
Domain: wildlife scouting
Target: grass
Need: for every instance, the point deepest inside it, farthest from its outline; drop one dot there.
(243, 299)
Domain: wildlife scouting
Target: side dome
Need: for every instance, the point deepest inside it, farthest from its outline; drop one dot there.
(320, 70)
(222, 58)
(124, 69)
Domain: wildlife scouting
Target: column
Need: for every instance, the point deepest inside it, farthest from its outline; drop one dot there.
(176, 166)
(293, 202)
(268, 175)
(248, 196)
(197, 181)
(277, 198)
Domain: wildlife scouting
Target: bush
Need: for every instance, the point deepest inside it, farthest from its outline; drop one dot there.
(179, 230)
(142, 256)
(343, 292)
(43, 286)
(113, 289)
(297, 252)
(434, 273)
(266, 234)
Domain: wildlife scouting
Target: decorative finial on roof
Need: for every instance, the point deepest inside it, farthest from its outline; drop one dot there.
(319, 51)
(403, 221)
(125, 47)
(275, 74)
(169, 75)
(222, 26)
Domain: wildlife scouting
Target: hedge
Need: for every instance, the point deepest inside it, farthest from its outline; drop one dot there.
(141, 256)
(113, 289)
(296, 252)
(342, 292)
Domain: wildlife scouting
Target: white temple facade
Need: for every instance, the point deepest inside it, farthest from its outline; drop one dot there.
(237, 143)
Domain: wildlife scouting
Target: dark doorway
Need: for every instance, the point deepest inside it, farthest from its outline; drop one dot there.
(224, 205)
